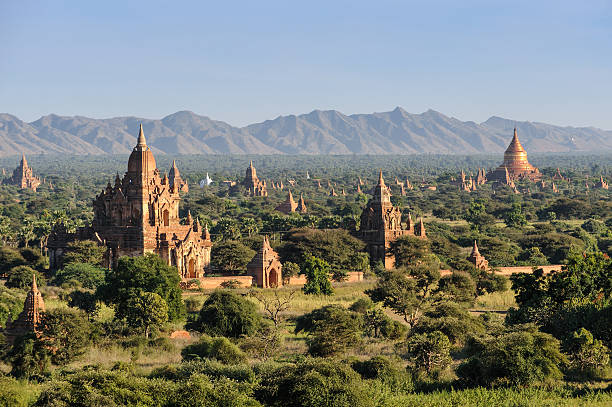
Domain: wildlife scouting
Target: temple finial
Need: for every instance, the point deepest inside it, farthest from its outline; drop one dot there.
(34, 286)
(381, 181)
(141, 138)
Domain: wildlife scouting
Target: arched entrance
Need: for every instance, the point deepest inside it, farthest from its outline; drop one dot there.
(191, 268)
(273, 279)
(166, 217)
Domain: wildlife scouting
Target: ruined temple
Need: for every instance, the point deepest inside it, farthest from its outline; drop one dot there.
(139, 214)
(381, 223)
(477, 259)
(515, 166)
(265, 267)
(288, 206)
(30, 319)
(23, 176)
(254, 186)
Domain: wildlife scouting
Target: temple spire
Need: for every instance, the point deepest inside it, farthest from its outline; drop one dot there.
(142, 142)
(34, 285)
(475, 251)
(381, 181)
(24, 162)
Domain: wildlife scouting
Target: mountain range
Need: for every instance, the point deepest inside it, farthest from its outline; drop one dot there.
(318, 132)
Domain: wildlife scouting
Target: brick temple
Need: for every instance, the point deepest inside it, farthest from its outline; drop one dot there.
(515, 166)
(23, 176)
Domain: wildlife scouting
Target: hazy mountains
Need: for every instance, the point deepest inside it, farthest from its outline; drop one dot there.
(318, 132)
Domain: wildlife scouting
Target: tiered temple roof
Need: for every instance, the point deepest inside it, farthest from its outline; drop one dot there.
(515, 165)
(23, 176)
(29, 320)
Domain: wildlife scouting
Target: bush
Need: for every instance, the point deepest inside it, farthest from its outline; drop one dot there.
(460, 286)
(588, 356)
(21, 277)
(227, 314)
(452, 320)
(218, 348)
(429, 351)
(362, 305)
(521, 358)
(88, 275)
(209, 367)
(312, 383)
(193, 303)
(381, 368)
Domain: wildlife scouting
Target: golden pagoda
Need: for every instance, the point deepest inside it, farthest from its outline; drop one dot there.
(515, 165)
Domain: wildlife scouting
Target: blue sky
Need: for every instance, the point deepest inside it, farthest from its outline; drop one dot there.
(244, 62)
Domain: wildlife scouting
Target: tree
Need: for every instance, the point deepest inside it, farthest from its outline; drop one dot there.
(409, 251)
(332, 329)
(514, 217)
(231, 256)
(21, 277)
(459, 286)
(88, 275)
(407, 292)
(588, 355)
(84, 251)
(290, 269)
(136, 275)
(219, 348)
(515, 358)
(84, 300)
(274, 306)
(317, 276)
(429, 351)
(66, 333)
(227, 229)
(28, 357)
(227, 314)
(147, 311)
(477, 216)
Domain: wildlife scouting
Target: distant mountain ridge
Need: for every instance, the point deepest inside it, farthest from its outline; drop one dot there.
(317, 132)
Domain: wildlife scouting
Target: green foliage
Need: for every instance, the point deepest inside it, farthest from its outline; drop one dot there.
(312, 383)
(231, 256)
(476, 215)
(209, 367)
(21, 277)
(515, 218)
(136, 275)
(377, 324)
(11, 304)
(28, 357)
(451, 319)
(84, 300)
(219, 348)
(409, 251)
(459, 286)
(332, 330)
(84, 251)
(317, 276)
(147, 311)
(66, 333)
(227, 314)
(587, 355)
(88, 275)
(290, 269)
(362, 305)
(388, 372)
(428, 351)
(519, 358)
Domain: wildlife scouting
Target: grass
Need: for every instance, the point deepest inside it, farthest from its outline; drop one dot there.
(499, 301)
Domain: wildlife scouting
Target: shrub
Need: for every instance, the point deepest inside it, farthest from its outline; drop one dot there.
(88, 275)
(460, 286)
(383, 369)
(209, 367)
(519, 358)
(312, 383)
(362, 305)
(589, 356)
(227, 314)
(218, 348)
(193, 303)
(428, 351)
(21, 277)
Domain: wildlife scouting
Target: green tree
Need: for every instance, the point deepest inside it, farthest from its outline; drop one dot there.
(28, 357)
(227, 314)
(477, 216)
(88, 275)
(84, 300)
(587, 354)
(290, 269)
(332, 330)
(66, 333)
(514, 217)
(231, 256)
(136, 275)
(147, 311)
(84, 251)
(219, 348)
(459, 286)
(21, 277)
(428, 351)
(226, 229)
(317, 276)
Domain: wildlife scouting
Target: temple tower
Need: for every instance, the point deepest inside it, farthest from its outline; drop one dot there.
(265, 267)
(29, 319)
(477, 259)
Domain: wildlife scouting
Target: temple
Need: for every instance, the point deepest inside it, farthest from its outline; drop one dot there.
(23, 176)
(381, 223)
(174, 176)
(301, 208)
(30, 319)
(288, 206)
(515, 166)
(601, 184)
(139, 215)
(265, 268)
(477, 259)
(254, 186)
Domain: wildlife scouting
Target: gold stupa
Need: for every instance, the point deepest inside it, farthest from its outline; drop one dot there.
(515, 165)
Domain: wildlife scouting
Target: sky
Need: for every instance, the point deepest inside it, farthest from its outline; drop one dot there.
(246, 62)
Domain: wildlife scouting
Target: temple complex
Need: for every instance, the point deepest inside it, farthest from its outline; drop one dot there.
(23, 176)
(174, 176)
(30, 319)
(601, 184)
(288, 206)
(477, 259)
(139, 214)
(515, 166)
(381, 223)
(265, 267)
(254, 186)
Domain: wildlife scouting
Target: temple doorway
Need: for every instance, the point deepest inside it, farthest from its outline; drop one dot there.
(166, 217)
(273, 279)
(191, 269)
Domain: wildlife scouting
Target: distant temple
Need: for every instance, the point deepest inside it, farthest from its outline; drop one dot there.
(265, 267)
(515, 165)
(477, 259)
(23, 176)
(288, 206)
(601, 184)
(381, 223)
(139, 215)
(254, 186)
(301, 208)
(30, 319)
